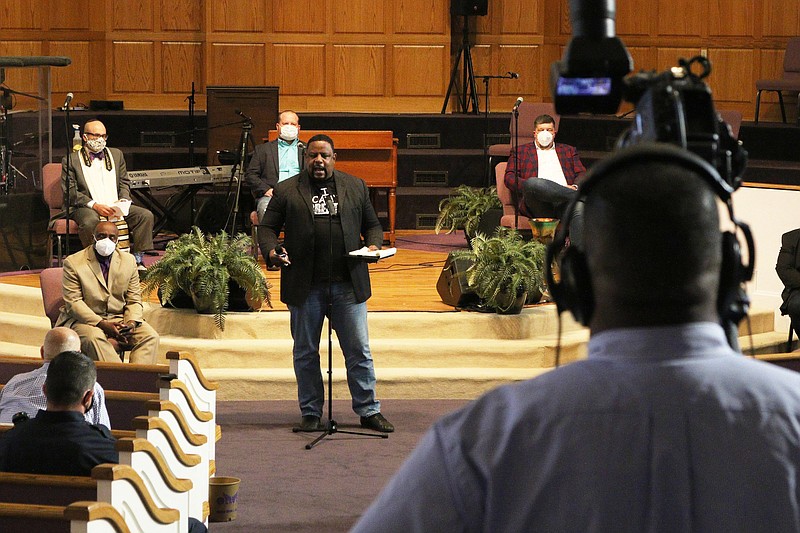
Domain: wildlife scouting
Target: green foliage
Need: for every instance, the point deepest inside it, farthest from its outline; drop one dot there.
(465, 209)
(504, 266)
(202, 266)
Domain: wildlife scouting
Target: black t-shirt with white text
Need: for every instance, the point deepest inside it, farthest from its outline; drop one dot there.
(327, 232)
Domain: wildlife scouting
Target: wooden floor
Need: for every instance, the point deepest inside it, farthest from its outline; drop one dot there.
(404, 282)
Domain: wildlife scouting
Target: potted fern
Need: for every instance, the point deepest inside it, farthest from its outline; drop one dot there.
(506, 269)
(466, 209)
(207, 268)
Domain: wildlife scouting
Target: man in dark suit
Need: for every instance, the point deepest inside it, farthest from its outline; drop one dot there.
(788, 269)
(98, 178)
(324, 214)
(275, 161)
(548, 176)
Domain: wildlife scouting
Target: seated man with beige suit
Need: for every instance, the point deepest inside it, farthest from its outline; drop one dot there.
(102, 300)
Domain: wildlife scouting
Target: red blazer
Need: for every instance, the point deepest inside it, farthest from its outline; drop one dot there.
(529, 168)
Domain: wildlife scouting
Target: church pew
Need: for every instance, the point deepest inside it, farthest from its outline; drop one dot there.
(117, 433)
(118, 485)
(789, 360)
(187, 458)
(78, 517)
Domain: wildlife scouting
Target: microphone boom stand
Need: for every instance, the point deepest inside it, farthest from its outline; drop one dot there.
(516, 169)
(331, 427)
(247, 127)
(487, 175)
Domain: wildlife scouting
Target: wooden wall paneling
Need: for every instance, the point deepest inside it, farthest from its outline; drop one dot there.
(22, 79)
(132, 15)
(422, 16)
(644, 58)
(359, 70)
(181, 15)
(360, 16)
(634, 17)
(668, 57)
(72, 16)
(526, 60)
(482, 64)
(20, 15)
(519, 17)
(299, 69)
(420, 70)
(237, 64)
(300, 16)
(76, 77)
(780, 18)
(681, 18)
(181, 64)
(238, 15)
(732, 74)
(731, 18)
(134, 67)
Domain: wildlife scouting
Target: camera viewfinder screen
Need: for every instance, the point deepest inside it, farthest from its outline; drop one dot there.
(583, 86)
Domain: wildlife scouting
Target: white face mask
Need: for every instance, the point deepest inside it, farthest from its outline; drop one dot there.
(96, 145)
(544, 138)
(105, 247)
(289, 132)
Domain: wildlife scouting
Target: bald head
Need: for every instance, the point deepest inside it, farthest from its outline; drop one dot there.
(59, 340)
(653, 246)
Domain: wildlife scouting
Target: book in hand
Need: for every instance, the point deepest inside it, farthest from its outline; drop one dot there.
(372, 256)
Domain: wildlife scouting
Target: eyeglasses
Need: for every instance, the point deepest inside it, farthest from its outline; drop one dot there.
(101, 236)
(96, 135)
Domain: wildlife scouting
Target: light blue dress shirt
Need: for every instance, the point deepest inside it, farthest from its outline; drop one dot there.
(287, 159)
(661, 429)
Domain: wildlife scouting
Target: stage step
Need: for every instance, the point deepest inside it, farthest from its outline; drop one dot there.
(417, 354)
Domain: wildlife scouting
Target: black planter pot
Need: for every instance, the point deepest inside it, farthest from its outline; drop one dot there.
(236, 299)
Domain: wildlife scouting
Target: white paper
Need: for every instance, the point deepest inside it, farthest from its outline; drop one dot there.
(121, 209)
(380, 254)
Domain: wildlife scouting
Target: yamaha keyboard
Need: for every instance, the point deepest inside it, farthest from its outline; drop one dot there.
(173, 177)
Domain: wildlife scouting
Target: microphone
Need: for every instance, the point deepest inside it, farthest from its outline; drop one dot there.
(514, 75)
(518, 103)
(70, 96)
(280, 251)
(239, 112)
(330, 205)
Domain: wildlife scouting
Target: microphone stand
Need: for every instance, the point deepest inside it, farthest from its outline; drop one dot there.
(330, 426)
(487, 175)
(67, 201)
(191, 127)
(516, 194)
(247, 127)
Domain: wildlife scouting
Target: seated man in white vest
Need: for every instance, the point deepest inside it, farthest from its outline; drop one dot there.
(99, 187)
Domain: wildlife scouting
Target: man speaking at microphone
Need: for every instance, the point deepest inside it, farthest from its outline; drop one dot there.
(324, 214)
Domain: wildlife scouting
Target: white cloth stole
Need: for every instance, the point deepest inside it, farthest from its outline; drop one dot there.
(102, 183)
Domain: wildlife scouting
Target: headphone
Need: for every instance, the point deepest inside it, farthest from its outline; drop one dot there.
(574, 290)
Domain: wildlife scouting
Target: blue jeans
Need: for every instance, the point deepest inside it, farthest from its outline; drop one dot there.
(350, 323)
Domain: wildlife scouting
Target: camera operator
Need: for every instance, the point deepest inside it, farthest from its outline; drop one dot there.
(663, 428)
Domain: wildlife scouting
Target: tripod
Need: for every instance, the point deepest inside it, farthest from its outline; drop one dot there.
(469, 85)
(331, 427)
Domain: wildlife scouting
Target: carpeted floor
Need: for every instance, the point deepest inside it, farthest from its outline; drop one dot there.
(285, 487)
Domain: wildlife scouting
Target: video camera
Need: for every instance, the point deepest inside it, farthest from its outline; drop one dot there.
(674, 106)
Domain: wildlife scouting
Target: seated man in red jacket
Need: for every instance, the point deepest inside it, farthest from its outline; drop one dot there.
(548, 176)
